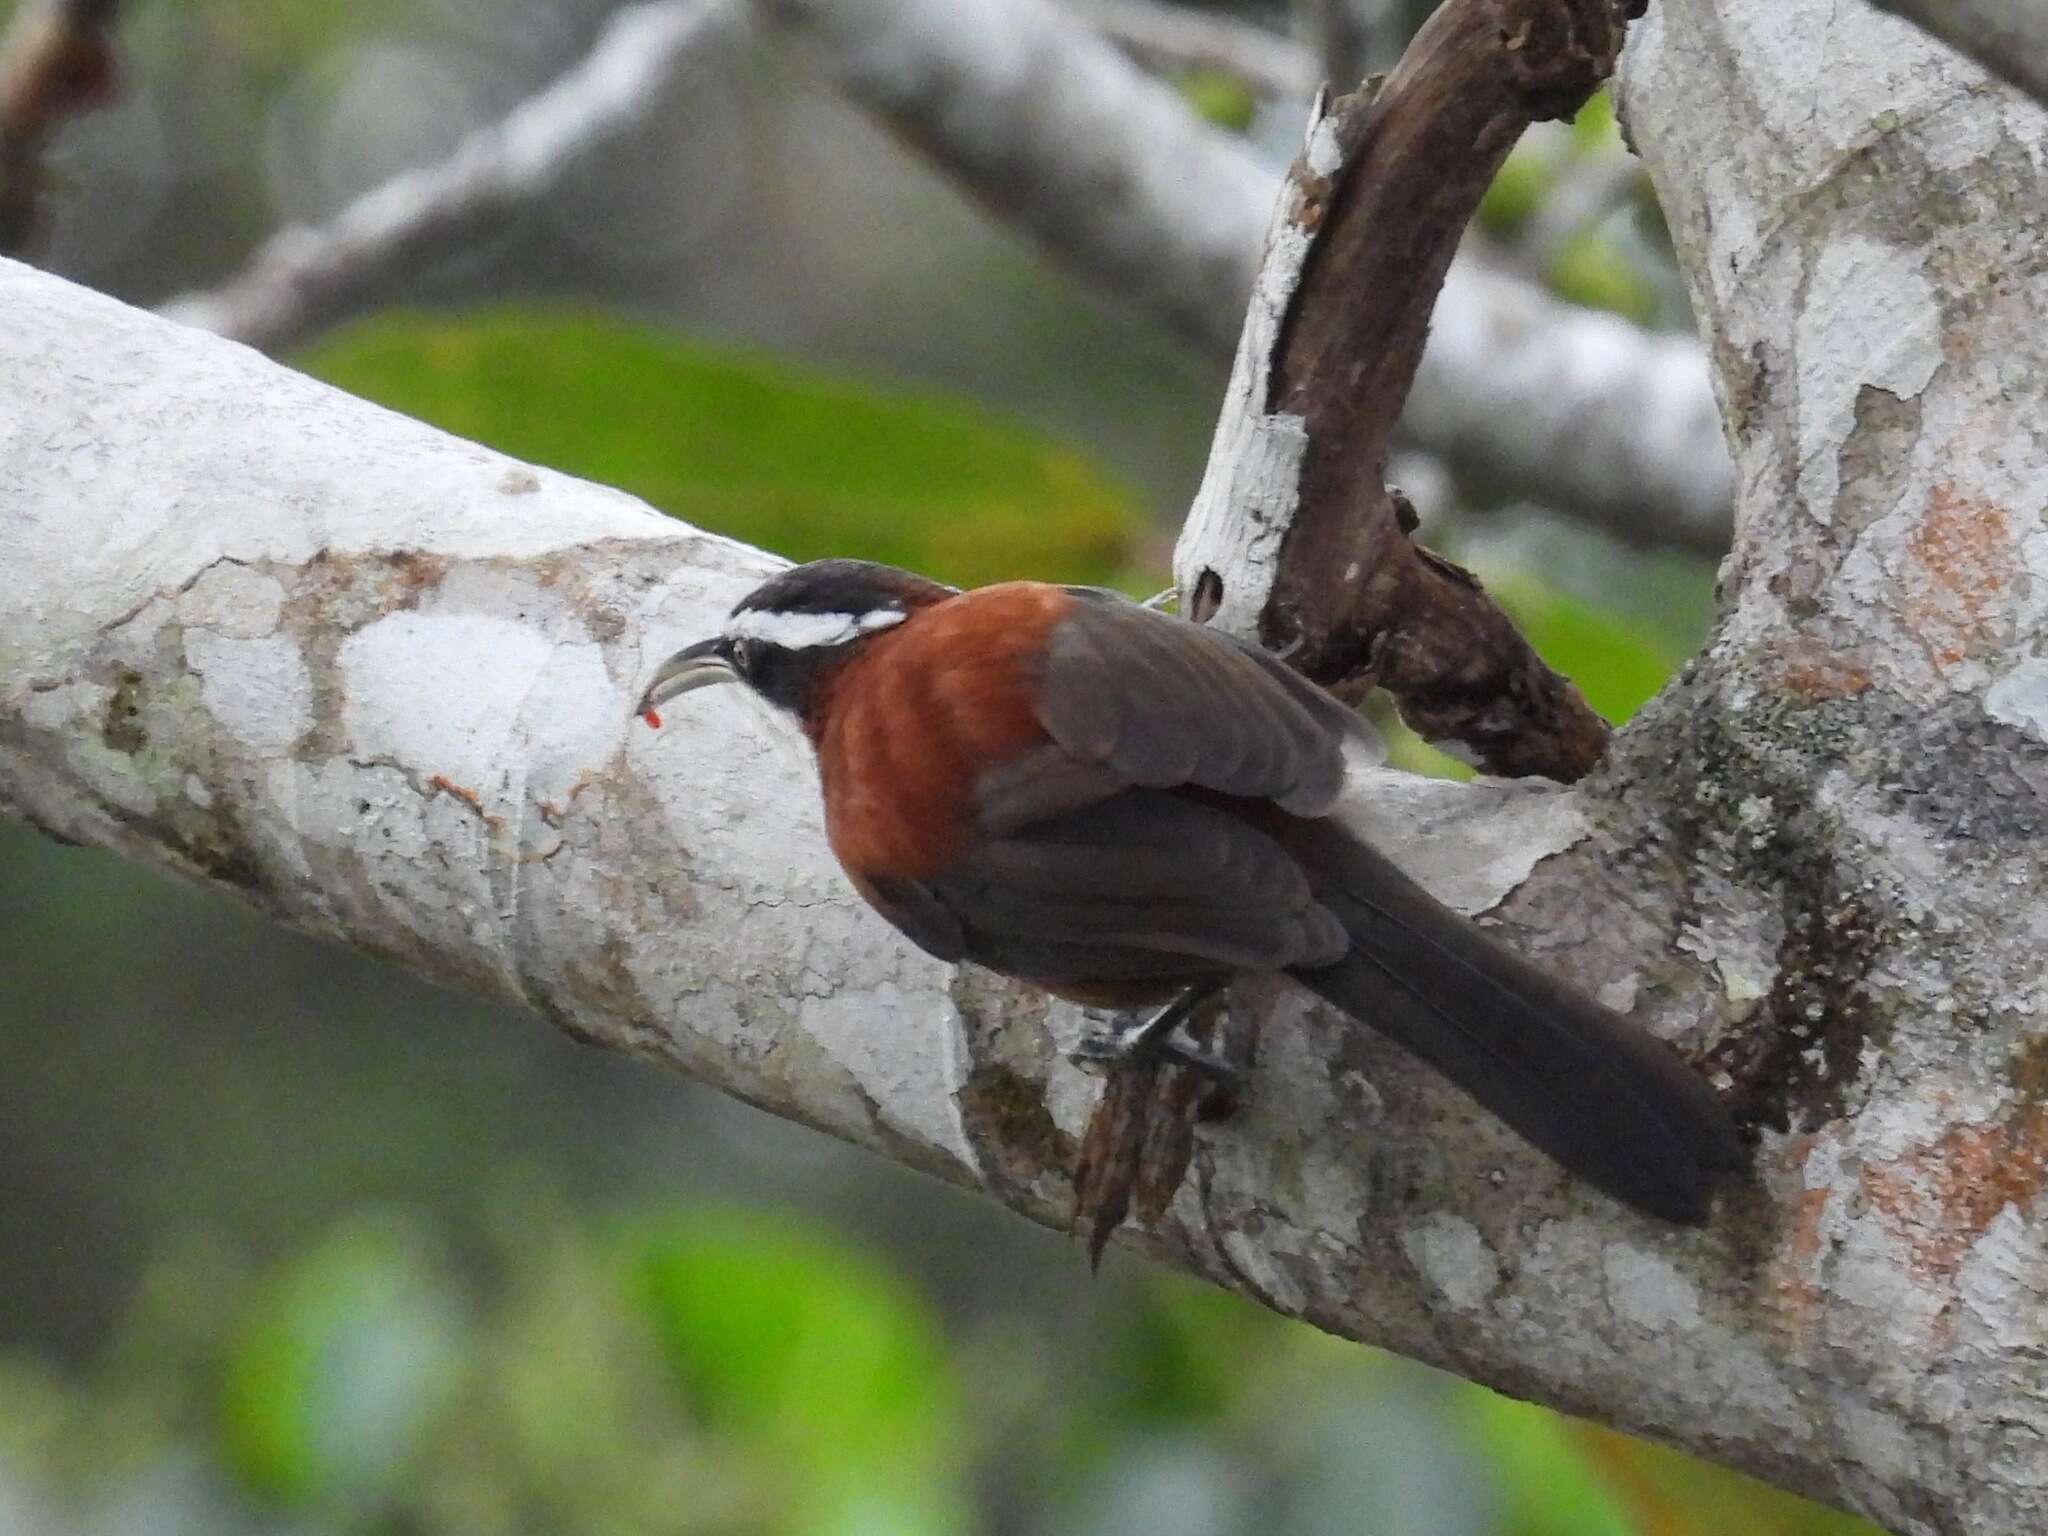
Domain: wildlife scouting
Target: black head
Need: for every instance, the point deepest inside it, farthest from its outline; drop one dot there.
(796, 628)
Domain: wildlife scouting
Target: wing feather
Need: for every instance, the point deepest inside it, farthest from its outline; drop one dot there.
(1163, 703)
(1145, 883)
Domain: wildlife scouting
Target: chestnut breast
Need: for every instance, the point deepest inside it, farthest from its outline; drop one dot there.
(904, 729)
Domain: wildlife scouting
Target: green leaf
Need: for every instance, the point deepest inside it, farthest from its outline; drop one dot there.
(1594, 126)
(1593, 270)
(1545, 1485)
(1516, 191)
(793, 1342)
(1183, 1355)
(1672, 1494)
(1616, 665)
(787, 458)
(1217, 97)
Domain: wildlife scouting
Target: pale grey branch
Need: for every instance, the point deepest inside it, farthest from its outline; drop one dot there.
(1815, 862)
(1165, 36)
(305, 280)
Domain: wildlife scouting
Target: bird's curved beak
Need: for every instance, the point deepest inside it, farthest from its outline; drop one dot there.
(703, 665)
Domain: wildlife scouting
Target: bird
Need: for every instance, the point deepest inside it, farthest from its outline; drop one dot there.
(1128, 809)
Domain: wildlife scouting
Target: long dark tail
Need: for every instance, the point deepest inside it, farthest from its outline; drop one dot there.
(1608, 1101)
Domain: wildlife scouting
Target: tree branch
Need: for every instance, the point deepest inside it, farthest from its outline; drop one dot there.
(1111, 173)
(305, 280)
(1295, 537)
(1116, 176)
(1163, 35)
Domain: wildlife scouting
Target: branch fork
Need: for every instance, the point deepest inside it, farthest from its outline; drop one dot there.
(1295, 538)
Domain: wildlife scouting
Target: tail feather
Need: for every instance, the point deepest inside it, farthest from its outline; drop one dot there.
(1580, 1082)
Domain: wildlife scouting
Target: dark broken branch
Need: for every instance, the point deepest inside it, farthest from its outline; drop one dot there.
(1296, 535)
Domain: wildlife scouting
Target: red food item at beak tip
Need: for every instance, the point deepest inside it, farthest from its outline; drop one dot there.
(653, 720)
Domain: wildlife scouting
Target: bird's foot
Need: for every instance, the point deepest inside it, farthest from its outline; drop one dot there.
(1129, 1043)
(1135, 1039)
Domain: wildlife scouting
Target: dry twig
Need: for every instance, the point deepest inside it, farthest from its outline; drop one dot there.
(1296, 503)
(1027, 109)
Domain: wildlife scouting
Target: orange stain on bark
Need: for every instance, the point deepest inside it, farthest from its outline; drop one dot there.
(1960, 556)
(447, 786)
(1940, 1198)
(1818, 676)
(1795, 1282)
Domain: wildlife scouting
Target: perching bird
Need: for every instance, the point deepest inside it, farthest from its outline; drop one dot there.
(1126, 808)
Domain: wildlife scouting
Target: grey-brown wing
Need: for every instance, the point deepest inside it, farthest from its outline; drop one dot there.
(1143, 885)
(1163, 702)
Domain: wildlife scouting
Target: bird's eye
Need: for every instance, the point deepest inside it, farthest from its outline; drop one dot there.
(743, 654)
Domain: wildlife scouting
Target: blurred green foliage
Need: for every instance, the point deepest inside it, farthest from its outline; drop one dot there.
(1220, 98)
(709, 1370)
(1590, 268)
(1516, 191)
(345, 1356)
(1532, 167)
(1617, 664)
(273, 42)
(1589, 265)
(777, 455)
(815, 1356)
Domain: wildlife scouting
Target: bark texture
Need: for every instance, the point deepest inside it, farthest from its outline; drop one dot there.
(2007, 37)
(377, 680)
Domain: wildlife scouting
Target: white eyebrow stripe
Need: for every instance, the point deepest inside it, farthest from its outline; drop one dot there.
(807, 631)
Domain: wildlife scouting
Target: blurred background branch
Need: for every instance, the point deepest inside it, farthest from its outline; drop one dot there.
(56, 61)
(307, 279)
(1112, 174)
(1355, 38)
(1166, 38)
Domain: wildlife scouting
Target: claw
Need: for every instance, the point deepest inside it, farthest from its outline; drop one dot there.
(1138, 1040)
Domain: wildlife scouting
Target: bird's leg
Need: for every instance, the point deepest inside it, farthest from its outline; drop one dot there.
(1138, 1038)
